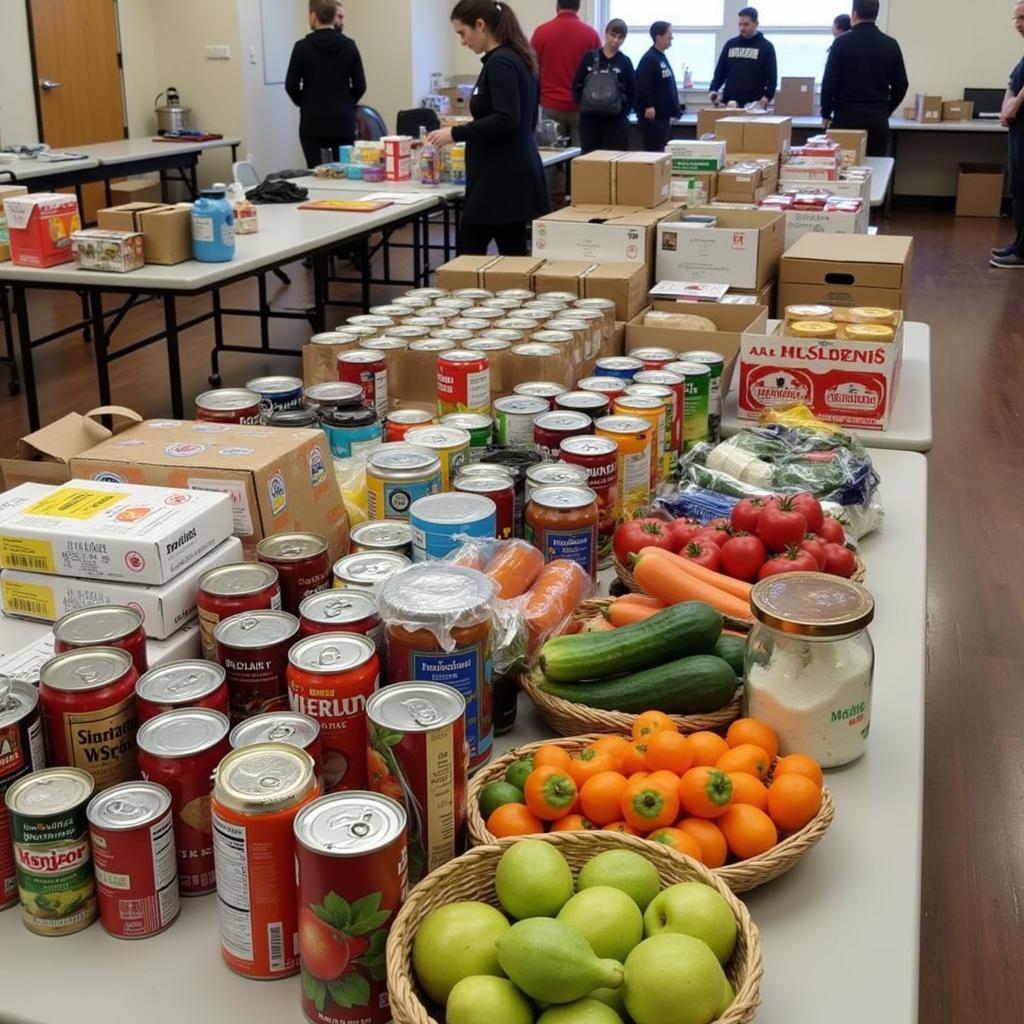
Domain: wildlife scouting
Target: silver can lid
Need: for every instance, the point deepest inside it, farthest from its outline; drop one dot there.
(237, 579)
(350, 824)
(588, 444)
(128, 806)
(563, 497)
(227, 399)
(660, 354)
(415, 707)
(263, 778)
(619, 363)
(521, 405)
(250, 630)
(90, 668)
(274, 385)
(291, 547)
(685, 368)
(566, 473)
(369, 568)
(276, 727)
(446, 511)
(180, 682)
(49, 792)
(332, 392)
(182, 733)
(17, 699)
(338, 608)
(661, 377)
(467, 421)
(540, 389)
(381, 535)
(563, 421)
(330, 653)
(438, 438)
(359, 355)
(97, 626)
(402, 456)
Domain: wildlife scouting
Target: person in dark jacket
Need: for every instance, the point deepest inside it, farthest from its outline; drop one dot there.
(746, 71)
(1012, 117)
(657, 95)
(840, 25)
(607, 131)
(865, 79)
(505, 183)
(325, 80)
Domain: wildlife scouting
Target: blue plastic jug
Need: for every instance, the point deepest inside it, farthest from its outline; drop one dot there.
(213, 226)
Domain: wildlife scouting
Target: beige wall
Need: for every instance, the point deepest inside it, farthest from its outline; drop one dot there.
(17, 95)
(382, 30)
(142, 79)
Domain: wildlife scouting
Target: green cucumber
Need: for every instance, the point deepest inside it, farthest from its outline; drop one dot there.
(688, 686)
(731, 649)
(691, 627)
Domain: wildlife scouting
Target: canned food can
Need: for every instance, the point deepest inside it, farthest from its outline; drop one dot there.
(331, 393)
(473, 295)
(396, 475)
(368, 570)
(610, 387)
(450, 444)
(599, 456)
(50, 835)
(181, 751)
(277, 393)
(621, 367)
(378, 323)
(514, 416)
(716, 364)
(108, 625)
(21, 753)
(655, 358)
(662, 378)
(515, 462)
(292, 419)
(229, 405)
(417, 756)
(253, 648)
(131, 828)
(394, 535)
(545, 389)
(282, 727)
(653, 410)
(498, 487)
(667, 398)
(546, 474)
(330, 678)
(87, 702)
(463, 382)
(634, 438)
(181, 684)
(257, 794)
(401, 421)
(590, 403)
(443, 522)
(351, 431)
(479, 427)
(460, 305)
(370, 371)
(561, 522)
(697, 411)
(550, 429)
(303, 564)
(230, 589)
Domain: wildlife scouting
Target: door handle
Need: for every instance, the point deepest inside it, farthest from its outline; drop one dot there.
(46, 85)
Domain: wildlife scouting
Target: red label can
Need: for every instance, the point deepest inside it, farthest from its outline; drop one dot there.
(230, 589)
(418, 756)
(21, 753)
(463, 383)
(181, 684)
(131, 828)
(342, 611)
(253, 648)
(502, 491)
(109, 625)
(330, 678)
(600, 457)
(87, 700)
(303, 563)
(654, 358)
(610, 387)
(256, 795)
(282, 727)
(550, 429)
(181, 751)
(229, 405)
(401, 421)
(370, 371)
(351, 861)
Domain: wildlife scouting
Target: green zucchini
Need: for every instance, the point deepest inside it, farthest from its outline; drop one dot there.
(691, 627)
(688, 686)
(731, 649)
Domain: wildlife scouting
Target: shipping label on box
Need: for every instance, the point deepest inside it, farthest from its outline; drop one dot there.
(598, 240)
(700, 155)
(829, 222)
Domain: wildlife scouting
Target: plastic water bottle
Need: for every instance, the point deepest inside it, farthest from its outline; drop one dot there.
(213, 226)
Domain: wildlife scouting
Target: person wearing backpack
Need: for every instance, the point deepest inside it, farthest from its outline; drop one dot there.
(605, 88)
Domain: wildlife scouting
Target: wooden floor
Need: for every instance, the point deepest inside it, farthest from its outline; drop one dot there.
(972, 919)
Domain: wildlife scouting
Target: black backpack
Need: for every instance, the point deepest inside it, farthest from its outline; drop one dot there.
(601, 93)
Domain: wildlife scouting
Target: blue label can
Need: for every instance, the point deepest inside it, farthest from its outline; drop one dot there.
(347, 440)
(443, 522)
(277, 393)
(619, 367)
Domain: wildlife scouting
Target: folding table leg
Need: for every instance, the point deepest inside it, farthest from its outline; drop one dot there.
(367, 271)
(95, 299)
(218, 340)
(321, 289)
(173, 356)
(27, 367)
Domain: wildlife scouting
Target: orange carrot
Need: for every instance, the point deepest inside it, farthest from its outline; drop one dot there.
(514, 568)
(738, 588)
(555, 595)
(596, 624)
(625, 611)
(666, 581)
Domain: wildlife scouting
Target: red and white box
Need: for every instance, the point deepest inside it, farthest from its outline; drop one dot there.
(40, 228)
(397, 157)
(850, 383)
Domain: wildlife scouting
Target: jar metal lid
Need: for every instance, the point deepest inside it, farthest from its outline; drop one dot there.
(812, 604)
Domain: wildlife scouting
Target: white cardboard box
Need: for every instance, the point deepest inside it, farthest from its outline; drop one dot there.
(848, 188)
(122, 532)
(803, 222)
(689, 156)
(164, 609)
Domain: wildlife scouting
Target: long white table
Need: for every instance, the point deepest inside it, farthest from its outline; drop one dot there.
(839, 933)
(910, 428)
(882, 170)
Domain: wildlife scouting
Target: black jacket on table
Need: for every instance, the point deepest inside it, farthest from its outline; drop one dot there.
(620, 65)
(505, 182)
(325, 80)
(864, 74)
(747, 68)
(656, 86)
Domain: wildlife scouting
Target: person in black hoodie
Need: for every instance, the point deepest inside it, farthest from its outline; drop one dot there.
(657, 95)
(325, 80)
(746, 71)
(603, 130)
(865, 79)
(505, 184)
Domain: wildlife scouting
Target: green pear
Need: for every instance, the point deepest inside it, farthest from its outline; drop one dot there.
(627, 870)
(610, 997)
(484, 1000)
(607, 918)
(673, 979)
(692, 908)
(586, 1011)
(533, 879)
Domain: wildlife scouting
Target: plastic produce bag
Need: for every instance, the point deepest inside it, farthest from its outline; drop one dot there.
(351, 474)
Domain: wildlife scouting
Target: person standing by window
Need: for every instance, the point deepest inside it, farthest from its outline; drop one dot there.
(746, 71)
(840, 25)
(657, 95)
(505, 184)
(1012, 117)
(603, 125)
(326, 81)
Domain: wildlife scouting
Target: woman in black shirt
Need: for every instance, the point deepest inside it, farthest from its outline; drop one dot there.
(599, 130)
(505, 183)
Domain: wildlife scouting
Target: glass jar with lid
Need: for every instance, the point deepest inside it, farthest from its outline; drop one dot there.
(809, 664)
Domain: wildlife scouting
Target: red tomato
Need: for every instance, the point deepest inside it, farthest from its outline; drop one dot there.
(716, 534)
(816, 546)
(839, 560)
(703, 553)
(632, 537)
(781, 525)
(792, 560)
(742, 556)
(682, 531)
(831, 531)
(746, 513)
(810, 508)
(721, 523)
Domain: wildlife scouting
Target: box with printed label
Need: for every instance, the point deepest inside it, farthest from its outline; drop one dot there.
(279, 480)
(700, 155)
(795, 97)
(40, 227)
(165, 608)
(957, 110)
(7, 192)
(110, 530)
(828, 222)
(927, 109)
(116, 252)
(742, 251)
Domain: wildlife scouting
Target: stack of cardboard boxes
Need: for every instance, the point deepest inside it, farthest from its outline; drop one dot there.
(934, 109)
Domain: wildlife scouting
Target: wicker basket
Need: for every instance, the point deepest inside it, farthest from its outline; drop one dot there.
(471, 877)
(740, 877)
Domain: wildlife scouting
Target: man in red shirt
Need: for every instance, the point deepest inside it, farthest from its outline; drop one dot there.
(560, 45)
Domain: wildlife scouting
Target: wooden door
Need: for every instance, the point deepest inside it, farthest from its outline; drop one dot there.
(80, 91)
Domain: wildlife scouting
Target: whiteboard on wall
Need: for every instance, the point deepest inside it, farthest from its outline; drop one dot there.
(278, 27)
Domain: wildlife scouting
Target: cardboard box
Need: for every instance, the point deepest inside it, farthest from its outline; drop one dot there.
(7, 192)
(463, 272)
(397, 157)
(279, 480)
(701, 156)
(593, 178)
(828, 222)
(166, 230)
(795, 98)
(615, 345)
(743, 251)
(109, 530)
(709, 117)
(165, 608)
(561, 276)
(458, 97)
(847, 270)
(768, 164)
(741, 184)
(44, 457)
(40, 227)
(625, 284)
(114, 252)
(763, 296)
(764, 133)
(851, 383)
(854, 143)
(957, 110)
(730, 131)
(927, 109)
(642, 179)
(979, 190)
(136, 190)
(511, 272)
